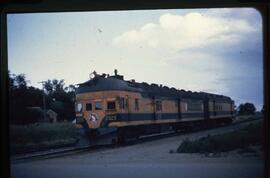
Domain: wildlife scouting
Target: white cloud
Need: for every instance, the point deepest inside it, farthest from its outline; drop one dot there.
(192, 30)
(194, 47)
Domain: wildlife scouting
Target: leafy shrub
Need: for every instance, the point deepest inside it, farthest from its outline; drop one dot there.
(250, 135)
(24, 138)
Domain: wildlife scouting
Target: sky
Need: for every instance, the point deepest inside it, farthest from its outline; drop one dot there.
(210, 50)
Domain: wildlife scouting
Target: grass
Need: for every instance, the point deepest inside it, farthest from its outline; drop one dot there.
(41, 136)
(244, 117)
(239, 139)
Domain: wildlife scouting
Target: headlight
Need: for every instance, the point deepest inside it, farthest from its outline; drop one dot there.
(79, 107)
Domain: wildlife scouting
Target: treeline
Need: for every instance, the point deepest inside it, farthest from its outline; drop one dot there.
(58, 97)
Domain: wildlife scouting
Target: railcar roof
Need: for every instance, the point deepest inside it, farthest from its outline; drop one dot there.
(103, 83)
(100, 83)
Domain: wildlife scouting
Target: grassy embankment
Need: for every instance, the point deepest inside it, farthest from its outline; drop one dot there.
(239, 139)
(249, 117)
(41, 136)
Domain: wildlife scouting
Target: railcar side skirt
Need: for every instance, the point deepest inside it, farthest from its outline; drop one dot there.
(148, 122)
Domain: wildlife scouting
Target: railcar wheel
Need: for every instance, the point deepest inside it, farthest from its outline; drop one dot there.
(114, 141)
(121, 139)
(176, 128)
(121, 136)
(228, 121)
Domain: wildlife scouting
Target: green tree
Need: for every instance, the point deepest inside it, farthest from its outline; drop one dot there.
(52, 86)
(21, 97)
(61, 98)
(246, 109)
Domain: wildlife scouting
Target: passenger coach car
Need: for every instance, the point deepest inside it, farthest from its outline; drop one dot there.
(106, 104)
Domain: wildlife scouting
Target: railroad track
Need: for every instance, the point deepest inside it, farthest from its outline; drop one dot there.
(92, 148)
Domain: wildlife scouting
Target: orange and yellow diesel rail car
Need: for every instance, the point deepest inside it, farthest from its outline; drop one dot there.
(107, 104)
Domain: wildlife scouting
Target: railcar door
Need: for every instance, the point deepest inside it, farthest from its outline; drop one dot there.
(179, 111)
(158, 109)
(124, 108)
(206, 108)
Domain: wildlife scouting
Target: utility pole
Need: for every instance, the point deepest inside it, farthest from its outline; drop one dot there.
(44, 102)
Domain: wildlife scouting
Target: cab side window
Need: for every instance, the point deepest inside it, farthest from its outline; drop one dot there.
(98, 105)
(79, 107)
(88, 106)
(111, 105)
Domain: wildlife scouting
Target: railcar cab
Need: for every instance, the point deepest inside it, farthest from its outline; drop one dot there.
(101, 107)
(93, 108)
(102, 98)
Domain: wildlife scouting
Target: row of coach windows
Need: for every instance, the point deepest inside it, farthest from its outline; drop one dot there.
(218, 108)
(124, 103)
(194, 106)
